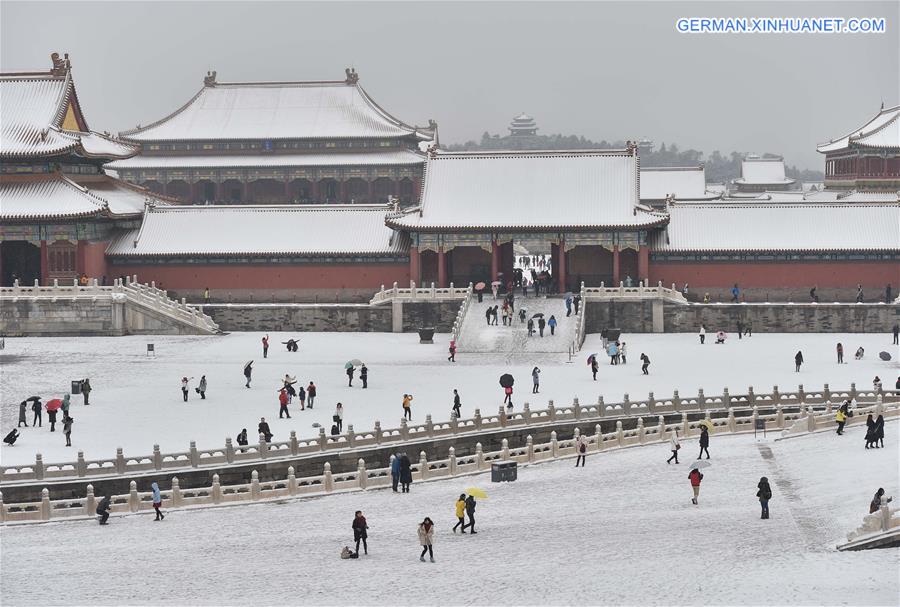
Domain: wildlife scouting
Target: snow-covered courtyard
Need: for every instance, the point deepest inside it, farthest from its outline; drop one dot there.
(621, 530)
(136, 401)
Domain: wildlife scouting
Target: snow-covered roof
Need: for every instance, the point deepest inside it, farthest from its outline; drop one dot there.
(338, 230)
(882, 131)
(58, 196)
(592, 189)
(40, 116)
(797, 196)
(277, 110)
(685, 183)
(759, 226)
(393, 158)
(762, 171)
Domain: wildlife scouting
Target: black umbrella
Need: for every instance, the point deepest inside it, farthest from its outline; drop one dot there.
(538, 315)
(884, 356)
(34, 399)
(506, 380)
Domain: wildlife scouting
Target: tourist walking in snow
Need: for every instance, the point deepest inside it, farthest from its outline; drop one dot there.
(407, 406)
(530, 326)
(470, 512)
(552, 324)
(37, 408)
(311, 394)
(103, 509)
(263, 429)
(623, 353)
(426, 536)
(859, 294)
(301, 396)
(613, 351)
(23, 414)
(67, 429)
(841, 418)
(51, 416)
(695, 477)
(674, 445)
(242, 438)
(184, 388)
(507, 399)
(878, 501)
(338, 416)
(764, 494)
(879, 432)
(157, 501)
(452, 350)
(840, 353)
(581, 450)
(456, 405)
(568, 305)
(702, 334)
(870, 430)
(576, 301)
(798, 360)
(283, 404)
(495, 314)
(595, 366)
(876, 384)
(860, 353)
(740, 328)
(748, 328)
(350, 371)
(536, 380)
(201, 387)
(265, 346)
(395, 471)
(248, 373)
(645, 364)
(405, 473)
(360, 531)
(488, 314)
(735, 293)
(85, 391)
(66, 403)
(704, 441)
(460, 513)
(896, 331)
(541, 324)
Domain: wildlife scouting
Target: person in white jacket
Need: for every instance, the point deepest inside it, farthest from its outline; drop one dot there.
(675, 445)
(426, 535)
(702, 334)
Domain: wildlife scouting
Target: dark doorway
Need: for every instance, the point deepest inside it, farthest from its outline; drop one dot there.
(20, 259)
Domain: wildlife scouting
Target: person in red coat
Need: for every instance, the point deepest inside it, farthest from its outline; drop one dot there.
(695, 477)
(283, 401)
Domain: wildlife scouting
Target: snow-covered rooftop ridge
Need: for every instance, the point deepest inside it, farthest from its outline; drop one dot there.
(762, 171)
(587, 189)
(349, 229)
(882, 131)
(59, 196)
(41, 116)
(334, 109)
(684, 183)
(780, 226)
(391, 158)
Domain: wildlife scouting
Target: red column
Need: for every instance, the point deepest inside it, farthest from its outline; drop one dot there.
(442, 268)
(616, 277)
(45, 263)
(80, 257)
(562, 265)
(644, 264)
(495, 260)
(414, 264)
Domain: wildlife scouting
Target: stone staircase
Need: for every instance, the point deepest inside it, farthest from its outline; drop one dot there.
(477, 336)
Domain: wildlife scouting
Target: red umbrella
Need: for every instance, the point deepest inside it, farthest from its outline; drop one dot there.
(54, 404)
(479, 286)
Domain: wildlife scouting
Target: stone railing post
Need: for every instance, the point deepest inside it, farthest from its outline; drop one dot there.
(404, 429)
(295, 446)
(676, 400)
(828, 406)
(601, 406)
(254, 485)
(551, 411)
(264, 446)
(801, 394)
(504, 449)
(701, 398)
(726, 398)
(779, 417)
(176, 492)
(429, 426)
(626, 404)
(217, 489)
(526, 413)
(38, 466)
(598, 436)
(423, 465)
(351, 436)
(651, 403)
(810, 419)
(576, 408)
(452, 457)
(2, 509)
(826, 392)
(641, 432)
(685, 425)
(853, 393)
(45, 504)
(323, 440)
(120, 461)
(576, 433)
(362, 477)
(229, 451)
(194, 455)
(134, 500)
(732, 423)
(327, 478)
(620, 434)
(90, 505)
(377, 432)
(454, 424)
(479, 457)
(661, 428)
(529, 448)
(477, 419)
(776, 396)
(554, 445)
(80, 465)
(501, 414)
(753, 416)
(751, 397)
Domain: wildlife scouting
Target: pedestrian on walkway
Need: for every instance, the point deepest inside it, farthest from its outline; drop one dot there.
(552, 324)
(595, 366)
(704, 441)
(66, 404)
(541, 324)
(507, 399)
(395, 471)
(338, 416)
(283, 402)
(426, 536)
(452, 350)
(157, 501)
(265, 346)
(623, 353)
(470, 512)
(530, 326)
(184, 388)
(840, 353)
(86, 391)
(311, 394)
(360, 531)
(350, 371)
(407, 406)
(581, 450)
(896, 331)
(536, 380)
(798, 360)
(405, 473)
(878, 501)
(37, 408)
(695, 477)
(455, 412)
(702, 334)
(67, 429)
(460, 513)
(568, 305)
(103, 510)
(740, 328)
(645, 364)
(23, 414)
(764, 494)
(879, 432)
(674, 445)
(263, 428)
(488, 314)
(576, 301)
(242, 438)
(248, 373)
(301, 396)
(735, 293)
(201, 388)
(51, 416)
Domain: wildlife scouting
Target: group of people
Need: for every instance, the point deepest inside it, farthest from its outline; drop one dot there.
(363, 375)
(52, 407)
(858, 355)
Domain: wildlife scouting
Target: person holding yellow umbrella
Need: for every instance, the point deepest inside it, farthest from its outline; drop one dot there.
(470, 507)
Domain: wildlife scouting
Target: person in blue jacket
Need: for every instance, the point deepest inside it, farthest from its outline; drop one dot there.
(157, 501)
(395, 471)
(552, 324)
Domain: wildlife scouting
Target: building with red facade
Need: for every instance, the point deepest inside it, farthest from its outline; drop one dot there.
(867, 158)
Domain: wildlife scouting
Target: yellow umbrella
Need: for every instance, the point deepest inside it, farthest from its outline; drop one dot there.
(476, 492)
(707, 422)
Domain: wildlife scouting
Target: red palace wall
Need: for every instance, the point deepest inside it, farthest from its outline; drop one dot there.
(94, 260)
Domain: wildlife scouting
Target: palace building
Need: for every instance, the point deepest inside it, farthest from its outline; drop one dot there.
(867, 158)
(58, 209)
(761, 175)
(279, 142)
(660, 185)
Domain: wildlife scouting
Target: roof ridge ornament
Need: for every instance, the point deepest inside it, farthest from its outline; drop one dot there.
(60, 66)
(352, 76)
(210, 78)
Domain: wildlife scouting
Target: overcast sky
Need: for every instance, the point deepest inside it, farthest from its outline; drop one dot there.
(605, 70)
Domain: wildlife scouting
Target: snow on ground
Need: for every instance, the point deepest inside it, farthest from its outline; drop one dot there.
(137, 402)
(478, 336)
(621, 530)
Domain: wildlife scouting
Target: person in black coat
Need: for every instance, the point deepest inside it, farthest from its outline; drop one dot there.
(263, 429)
(350, 371)
(359, 532)
(51, 415)
(798, 360)
(541, 324)
(364, 375)
(645, 363)
(764, 494)
(242, 438)
(405, 473)
(23, 414)
(470, 511)
(10, 438)
(37, 408)
(103, 509)
(878, 430)
(457, 404)
(704, 441)
(248, 373)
